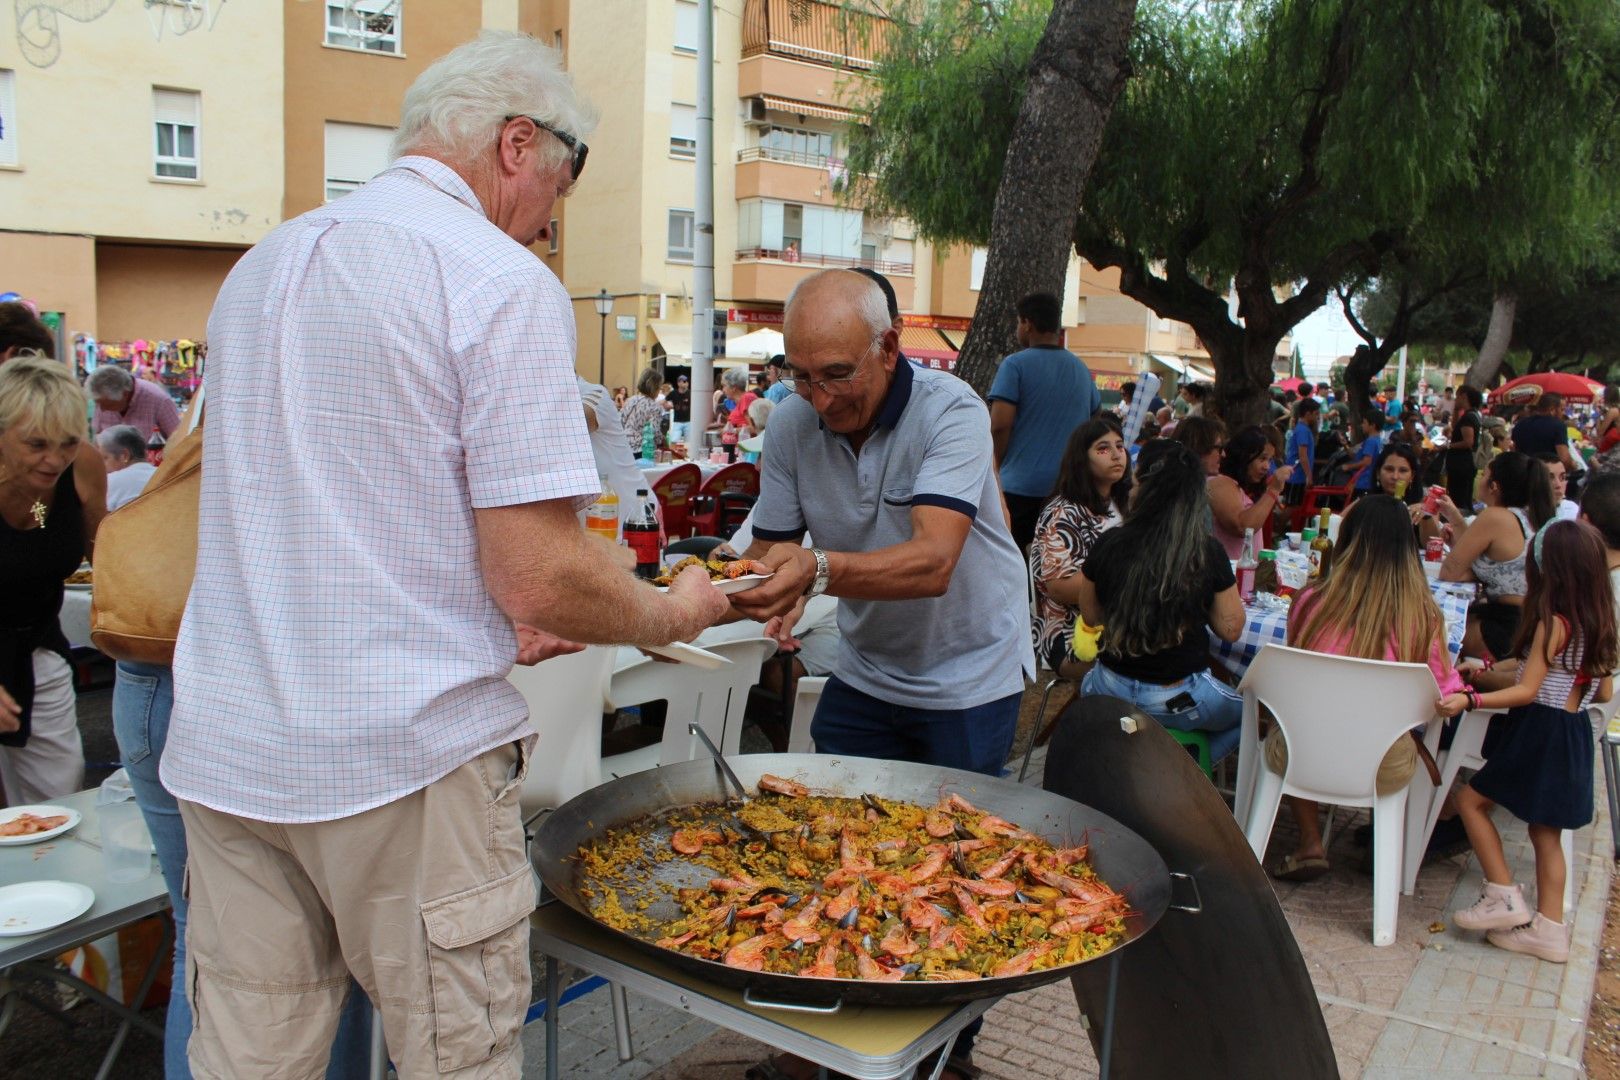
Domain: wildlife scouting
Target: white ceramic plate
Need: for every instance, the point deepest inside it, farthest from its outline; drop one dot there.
(35, 906)
(10, 812)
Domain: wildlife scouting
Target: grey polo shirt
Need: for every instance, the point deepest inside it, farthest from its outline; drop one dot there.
(930, 447)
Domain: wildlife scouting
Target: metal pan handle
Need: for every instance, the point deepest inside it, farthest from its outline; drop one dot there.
(1197, 905)
(752, 1001)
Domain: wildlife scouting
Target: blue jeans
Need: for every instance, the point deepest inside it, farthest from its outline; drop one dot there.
(1217, 709)
(143, 697)
(857, 724)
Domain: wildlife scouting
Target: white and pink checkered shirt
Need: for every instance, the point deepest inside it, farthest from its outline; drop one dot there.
(377, 368)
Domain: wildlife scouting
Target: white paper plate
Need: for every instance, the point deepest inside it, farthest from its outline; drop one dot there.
(690, 654)
(10, 812)
(739, 584)
(35, 906)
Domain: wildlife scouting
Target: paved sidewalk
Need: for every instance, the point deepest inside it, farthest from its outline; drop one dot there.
(1435, 1005)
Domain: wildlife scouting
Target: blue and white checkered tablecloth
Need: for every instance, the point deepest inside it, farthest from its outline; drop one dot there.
(1264, 626)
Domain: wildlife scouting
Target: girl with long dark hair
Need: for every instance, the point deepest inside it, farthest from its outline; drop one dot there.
(1375, 605)
(1246, 491)
(1491, 549)
(1396, 472)
(1093, 488)
(1541, 768)
(1154, 584)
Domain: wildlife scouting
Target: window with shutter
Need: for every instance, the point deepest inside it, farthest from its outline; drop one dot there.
(354, 154)
(683, 131)
(177, 134)
(8, 117)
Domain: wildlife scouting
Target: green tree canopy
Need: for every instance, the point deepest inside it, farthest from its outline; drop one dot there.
(1287, 147)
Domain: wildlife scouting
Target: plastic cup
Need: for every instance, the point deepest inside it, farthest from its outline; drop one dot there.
(126, 846)
(1297, 539)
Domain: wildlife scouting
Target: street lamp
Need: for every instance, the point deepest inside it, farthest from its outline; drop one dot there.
(604, 304)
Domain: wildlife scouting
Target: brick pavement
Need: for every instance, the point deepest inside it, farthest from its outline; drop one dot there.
(1432, 1005)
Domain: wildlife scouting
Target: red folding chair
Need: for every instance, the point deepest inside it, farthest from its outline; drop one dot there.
(674, 491)
(1307, 509)
(739, 479)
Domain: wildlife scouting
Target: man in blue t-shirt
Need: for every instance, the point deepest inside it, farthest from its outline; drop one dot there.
(1543, 431)
(1040, 395)
(1372, 444)
(1301, 447)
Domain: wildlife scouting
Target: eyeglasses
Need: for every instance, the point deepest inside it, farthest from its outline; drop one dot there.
(801, 384)
(581, 151)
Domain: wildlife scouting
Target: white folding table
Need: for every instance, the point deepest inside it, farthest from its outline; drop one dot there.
(76, 856)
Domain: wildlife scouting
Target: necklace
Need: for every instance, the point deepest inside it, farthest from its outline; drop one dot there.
(38, 510)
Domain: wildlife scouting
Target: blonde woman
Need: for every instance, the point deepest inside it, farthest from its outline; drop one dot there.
(1375, 605)
(53, 492)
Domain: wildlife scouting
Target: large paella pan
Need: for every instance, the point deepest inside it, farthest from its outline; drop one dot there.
(696, 788)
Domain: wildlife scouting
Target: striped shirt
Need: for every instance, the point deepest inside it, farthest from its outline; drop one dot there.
(378, 368)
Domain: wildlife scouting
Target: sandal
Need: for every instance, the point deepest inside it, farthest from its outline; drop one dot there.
(1293, 868)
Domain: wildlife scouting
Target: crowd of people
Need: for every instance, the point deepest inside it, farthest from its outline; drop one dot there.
(341, 793)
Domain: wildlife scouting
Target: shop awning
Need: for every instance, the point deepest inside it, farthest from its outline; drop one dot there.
(808, 108)
(954, 338)
(1174, 363)
(922, 343)
(675, 335)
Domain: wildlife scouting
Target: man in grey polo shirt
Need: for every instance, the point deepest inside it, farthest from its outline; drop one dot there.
(890, 468)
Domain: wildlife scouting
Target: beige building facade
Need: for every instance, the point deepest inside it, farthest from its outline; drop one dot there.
(139, 156)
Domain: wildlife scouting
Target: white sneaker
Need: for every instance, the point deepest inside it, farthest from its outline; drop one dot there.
(1500, 907)
(1540, 937)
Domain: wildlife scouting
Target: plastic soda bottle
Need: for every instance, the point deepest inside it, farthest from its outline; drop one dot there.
(641, 534)
(602, 516)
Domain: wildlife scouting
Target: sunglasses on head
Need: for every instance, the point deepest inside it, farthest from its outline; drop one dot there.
(581, 151)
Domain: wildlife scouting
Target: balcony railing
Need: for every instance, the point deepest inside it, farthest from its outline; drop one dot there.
(788, 256)
(789, 157)
(820, 31)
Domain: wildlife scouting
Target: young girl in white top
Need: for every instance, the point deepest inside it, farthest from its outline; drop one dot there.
(1540, 769)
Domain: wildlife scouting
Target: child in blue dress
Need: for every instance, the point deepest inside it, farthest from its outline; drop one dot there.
(1541, 767)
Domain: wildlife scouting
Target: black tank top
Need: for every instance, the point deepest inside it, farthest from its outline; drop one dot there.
(33, 565)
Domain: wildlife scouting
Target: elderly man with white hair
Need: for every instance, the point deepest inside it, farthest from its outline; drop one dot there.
(123, 448)
(396, 453)
(121, 398)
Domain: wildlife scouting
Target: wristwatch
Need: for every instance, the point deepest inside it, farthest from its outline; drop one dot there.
(819, 584)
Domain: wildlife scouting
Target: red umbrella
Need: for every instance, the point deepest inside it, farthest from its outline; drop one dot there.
(1528, 388)
(1298, 386)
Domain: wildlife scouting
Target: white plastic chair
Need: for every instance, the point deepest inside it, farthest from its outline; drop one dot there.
(564, 695)
(1335, 744)
(715, 700)
(806, 696)
(1464, 753)
(1603, 720)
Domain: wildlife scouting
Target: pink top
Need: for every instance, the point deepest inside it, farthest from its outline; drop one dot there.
(1335, 643)
(1232, 543)
(150, 407)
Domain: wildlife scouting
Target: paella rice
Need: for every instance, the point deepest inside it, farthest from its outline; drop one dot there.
(800, 883)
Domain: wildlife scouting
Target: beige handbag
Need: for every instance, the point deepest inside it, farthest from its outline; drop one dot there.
(146, 556)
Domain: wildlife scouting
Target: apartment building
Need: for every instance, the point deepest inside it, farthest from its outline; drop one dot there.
(207, 135)
(140, 154)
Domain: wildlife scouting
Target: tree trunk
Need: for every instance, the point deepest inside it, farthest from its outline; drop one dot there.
(1498, 336)
(1365, 364)
(1075, 75)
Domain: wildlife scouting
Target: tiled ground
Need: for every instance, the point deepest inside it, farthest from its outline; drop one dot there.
(1434, 1005)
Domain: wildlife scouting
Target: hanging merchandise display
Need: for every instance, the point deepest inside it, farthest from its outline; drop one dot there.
(175, 365)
